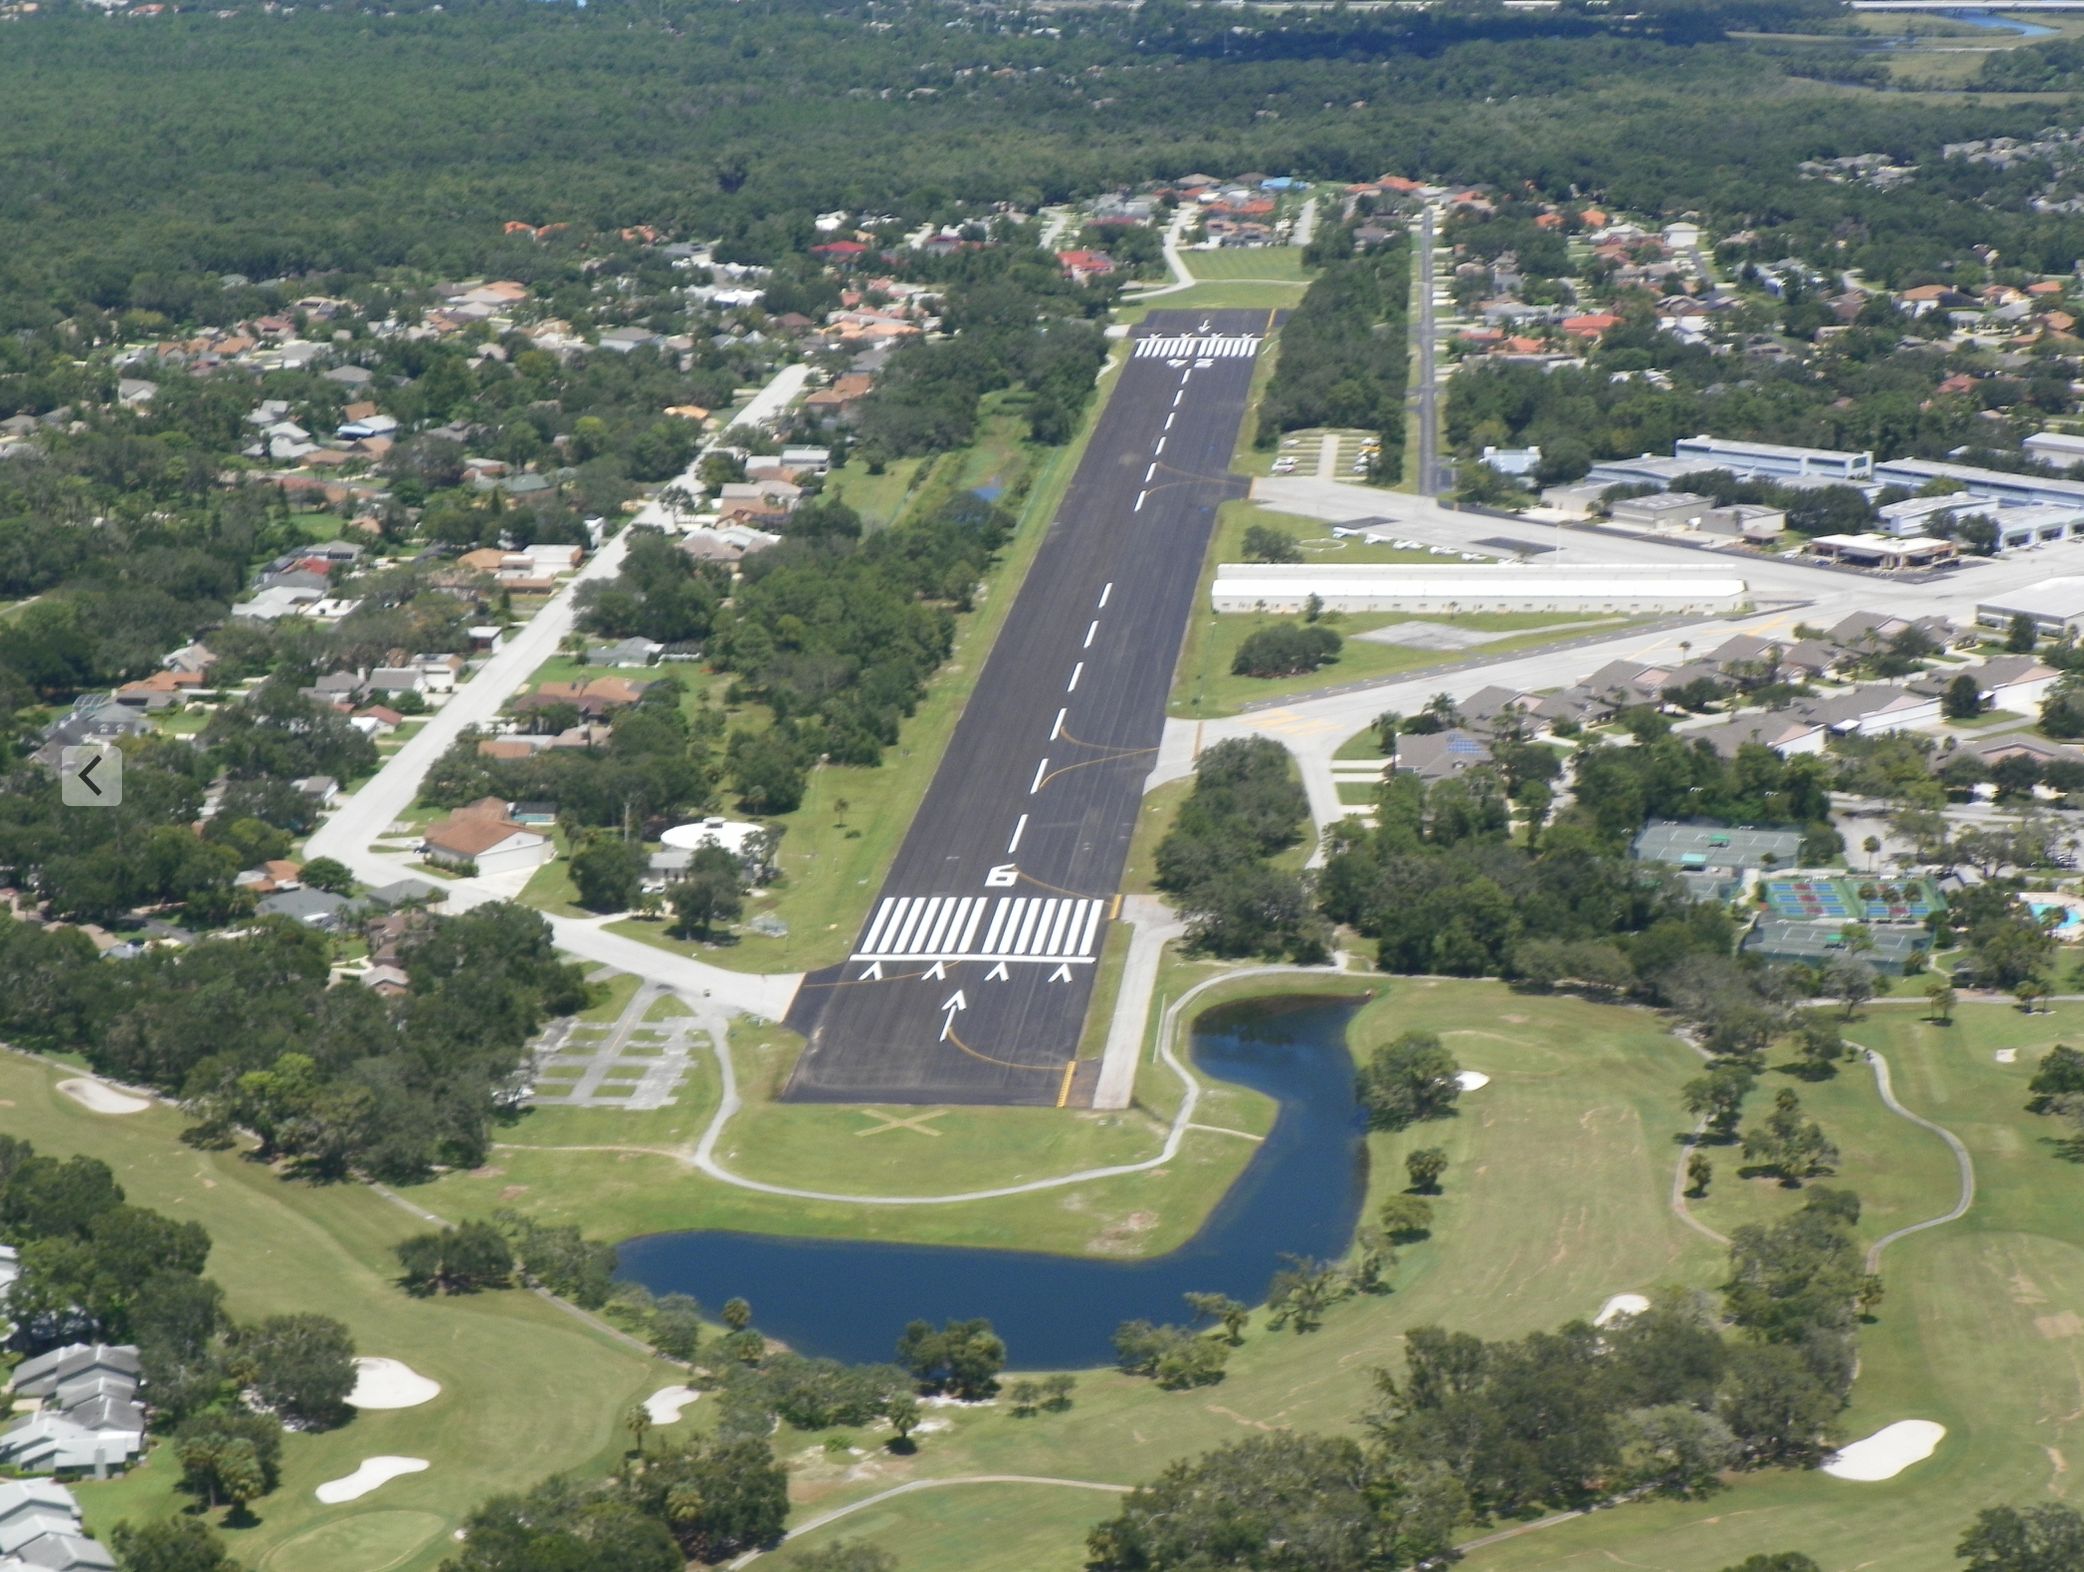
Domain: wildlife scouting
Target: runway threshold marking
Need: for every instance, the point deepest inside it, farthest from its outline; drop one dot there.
(1063, 1092)
(1063, 927)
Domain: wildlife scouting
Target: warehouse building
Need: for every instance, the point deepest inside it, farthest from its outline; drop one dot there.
(1377, 587)
(2055, 605)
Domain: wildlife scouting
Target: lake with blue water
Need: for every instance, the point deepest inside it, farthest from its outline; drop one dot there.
(1300, 1195)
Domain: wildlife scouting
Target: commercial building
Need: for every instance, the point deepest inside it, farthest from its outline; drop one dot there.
(1771, 459)
(2059, 448)
(2055, 605)
(1885, 551)
(2007, 488)
(1661, 510)
(1743, 521)
(1378, 587)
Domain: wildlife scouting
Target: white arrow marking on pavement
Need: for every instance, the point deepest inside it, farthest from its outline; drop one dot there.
(874, 972)
(998, 973)
(1061, 974)
(939, 969)
(953, 1003)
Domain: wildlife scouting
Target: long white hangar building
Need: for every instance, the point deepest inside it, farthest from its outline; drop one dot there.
(1443, 590)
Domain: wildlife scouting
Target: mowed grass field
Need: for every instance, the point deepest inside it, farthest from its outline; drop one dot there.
(1556, 1199)
(1981, 1329)
(528, 1389)
(620, 1174)
(1207, 686)
(1257, 264)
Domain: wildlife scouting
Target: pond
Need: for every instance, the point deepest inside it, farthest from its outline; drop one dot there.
(2000, 24)
(1301, 1194)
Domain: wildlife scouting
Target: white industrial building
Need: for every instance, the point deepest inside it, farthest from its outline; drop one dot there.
(2013, 490)
(1377, 587)
(2055, 605)
(2060, 448)
(1773, 459)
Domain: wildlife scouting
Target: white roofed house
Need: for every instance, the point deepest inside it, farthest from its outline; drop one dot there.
(88, 1418)
(40, 1530)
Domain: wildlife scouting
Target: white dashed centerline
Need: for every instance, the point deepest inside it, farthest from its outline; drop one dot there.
(1076, 672)
(1057, 730)
(1019, 830)
(1159, 450)
(1104, 594)
(1140, 498)
(1092, 628)
(1036, 784)
(1150, 474)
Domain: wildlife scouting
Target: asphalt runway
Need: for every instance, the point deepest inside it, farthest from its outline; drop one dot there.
(970, 981)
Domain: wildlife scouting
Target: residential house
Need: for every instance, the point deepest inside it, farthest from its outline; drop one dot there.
(387, 982)
(391, 681)
(88, 1418)
(591, 696)
(312, 908)
(40, 1530)
(625, 652)
(1439, 755)
(482, 834)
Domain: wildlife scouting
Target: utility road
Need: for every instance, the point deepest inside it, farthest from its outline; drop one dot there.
(969, 982)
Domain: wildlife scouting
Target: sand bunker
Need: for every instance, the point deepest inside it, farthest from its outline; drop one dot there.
(101, 1098)
(1618, 1306)
(2006, 1056)
(390, 1383)
(1471, 1080)
(1887, 1452)
(665, 1404)
(373, 1472)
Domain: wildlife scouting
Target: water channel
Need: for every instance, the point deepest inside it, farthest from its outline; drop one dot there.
(1300, 1194)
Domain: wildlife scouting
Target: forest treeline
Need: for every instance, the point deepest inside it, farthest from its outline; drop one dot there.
(746, 121)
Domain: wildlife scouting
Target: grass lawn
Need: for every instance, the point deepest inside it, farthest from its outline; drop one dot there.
(1313, 537)
(1207, 686)
(621, 1173)
(972, 1528)
(1254, 264)
(1901, 1173)
(1979, 1331)
(550, 888)
(879, 499)
(1223, 296)
(283, 1247)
